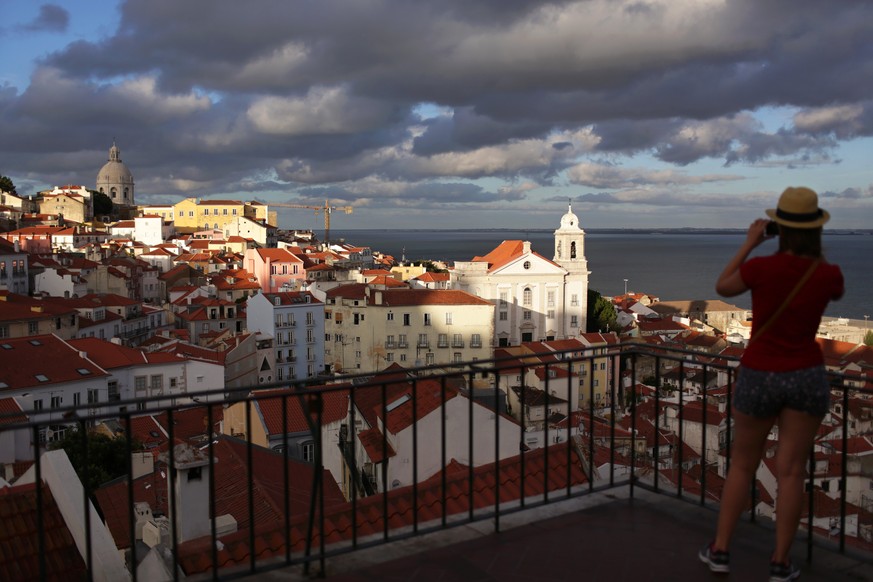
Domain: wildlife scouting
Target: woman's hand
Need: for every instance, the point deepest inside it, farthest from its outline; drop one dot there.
(730, 282)
(757, 233)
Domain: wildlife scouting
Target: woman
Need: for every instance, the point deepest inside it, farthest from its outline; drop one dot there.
(781, 377)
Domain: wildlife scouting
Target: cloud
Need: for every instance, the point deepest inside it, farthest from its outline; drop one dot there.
(607, 176)
(51, 18)
(527, 96)
(849, 194)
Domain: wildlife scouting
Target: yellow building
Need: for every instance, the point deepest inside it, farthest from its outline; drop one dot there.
(193, 214)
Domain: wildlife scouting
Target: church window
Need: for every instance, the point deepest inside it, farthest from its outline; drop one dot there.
(550, 314)
(527, 314)
(574, 300)
(574, 321)
(504, 296)
(573, 250)
(527, 296)
(550, 299)
(559, 250)
(503, 316)
(125, 193)
(526, 265)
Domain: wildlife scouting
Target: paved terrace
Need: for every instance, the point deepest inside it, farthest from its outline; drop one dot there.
(604, 536)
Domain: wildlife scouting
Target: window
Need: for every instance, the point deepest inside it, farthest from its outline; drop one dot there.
(32, 327)
(526, 265)
(401, 341)
(173, 382)
(77, 399)
(389, 357)
(456, 357)
(504, 299)
(4, 331)
(56, 401)
(389, 342)
(157, 382)
(550, 299)
(114, 396)
(390, 316)
(526, 314)
(139, 383)
(448, 318)
(574, 300)
(427, 318)
(402, 357)
(37, 404)
(405, 319)
(503, 316)
(457, 341)
(428, 359)
(310, 319)
(476, 340)
(574, 321)
(443, 340)
(527, 296)
(308, 452)
(550, 314)
(93, 396)
(422, 340)
(357, 318)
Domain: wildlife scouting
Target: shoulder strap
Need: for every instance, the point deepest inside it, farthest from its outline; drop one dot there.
(787, 300)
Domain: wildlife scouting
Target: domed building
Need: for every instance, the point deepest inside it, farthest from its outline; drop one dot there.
(115, 180)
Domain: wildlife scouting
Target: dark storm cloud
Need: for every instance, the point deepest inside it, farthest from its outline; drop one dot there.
(207, 96)
(51, 18)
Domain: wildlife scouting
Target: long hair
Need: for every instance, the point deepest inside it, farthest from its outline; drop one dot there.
(800, 241)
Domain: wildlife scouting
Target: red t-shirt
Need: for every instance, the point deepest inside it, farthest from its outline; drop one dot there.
(789, 342)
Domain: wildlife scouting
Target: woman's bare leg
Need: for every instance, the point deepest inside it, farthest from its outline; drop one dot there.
(797, 432)
(750, 435)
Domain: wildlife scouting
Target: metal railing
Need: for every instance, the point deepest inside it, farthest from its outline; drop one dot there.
(350, 484)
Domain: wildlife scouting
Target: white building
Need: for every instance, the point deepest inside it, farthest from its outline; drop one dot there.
(536, 298)
(295, 320)
(371, 328)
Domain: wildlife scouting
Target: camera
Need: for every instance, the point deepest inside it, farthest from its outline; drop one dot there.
(772, 229)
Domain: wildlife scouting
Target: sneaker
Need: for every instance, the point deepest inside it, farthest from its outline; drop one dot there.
(717, 561)
(783, 572)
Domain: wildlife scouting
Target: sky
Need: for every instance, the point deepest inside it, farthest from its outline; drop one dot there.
(450, 113)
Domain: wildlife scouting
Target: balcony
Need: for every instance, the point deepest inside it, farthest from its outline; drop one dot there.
(390, 345)
(457, 343)
(594, 492)
(402, 345)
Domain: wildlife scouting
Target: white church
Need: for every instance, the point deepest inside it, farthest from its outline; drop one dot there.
(535, 298)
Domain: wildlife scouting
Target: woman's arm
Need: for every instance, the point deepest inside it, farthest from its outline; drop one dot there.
(730, 283)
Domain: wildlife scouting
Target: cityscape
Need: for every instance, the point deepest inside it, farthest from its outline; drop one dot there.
(203, 376)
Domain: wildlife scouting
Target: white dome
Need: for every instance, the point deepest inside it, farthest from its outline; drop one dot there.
(570, 221)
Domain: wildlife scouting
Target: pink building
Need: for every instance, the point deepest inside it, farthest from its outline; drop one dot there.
(275, 268)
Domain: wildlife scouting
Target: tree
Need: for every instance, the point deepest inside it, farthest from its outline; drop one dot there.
(868, 338)
(6, 185)
(107, 457)
(601, 313)
(102, 203)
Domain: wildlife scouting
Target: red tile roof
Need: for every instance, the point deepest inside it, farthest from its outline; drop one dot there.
(269, 404)
(111, 356)
(19, 537)
(11, 412)
(23, 363)
(433, 501)
(231, 490)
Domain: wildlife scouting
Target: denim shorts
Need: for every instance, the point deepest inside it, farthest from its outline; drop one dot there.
(765, 394)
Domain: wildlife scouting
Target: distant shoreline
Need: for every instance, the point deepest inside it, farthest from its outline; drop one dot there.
(632, 231)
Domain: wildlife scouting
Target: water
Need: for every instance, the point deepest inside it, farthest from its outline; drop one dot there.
(668, 265)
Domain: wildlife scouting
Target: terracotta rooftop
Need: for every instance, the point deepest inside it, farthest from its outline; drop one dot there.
(19, 534)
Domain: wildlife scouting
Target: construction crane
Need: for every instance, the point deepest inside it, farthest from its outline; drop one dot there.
(327, 209)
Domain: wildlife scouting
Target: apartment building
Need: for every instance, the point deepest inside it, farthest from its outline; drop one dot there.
(296, 321)
(367, 329)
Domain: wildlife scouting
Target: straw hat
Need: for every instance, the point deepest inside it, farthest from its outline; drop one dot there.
(798, 208)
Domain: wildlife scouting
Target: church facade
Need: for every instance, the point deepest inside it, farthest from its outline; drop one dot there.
(535, 298)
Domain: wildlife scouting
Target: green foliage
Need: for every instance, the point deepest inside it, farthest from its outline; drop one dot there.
(429, 267)
(6, 185)
(601, 313)
(868, 338)
(102, 203)
(106, 457)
